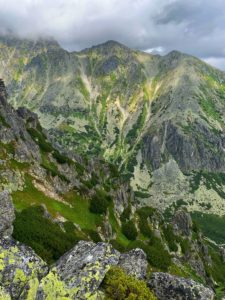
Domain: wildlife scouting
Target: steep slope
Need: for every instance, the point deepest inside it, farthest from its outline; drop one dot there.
(46, 183)
(160, 119)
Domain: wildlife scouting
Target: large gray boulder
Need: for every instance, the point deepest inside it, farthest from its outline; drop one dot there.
(7, 215)
(134, 263)
(79, 273)
(169, 287)
(19, 264)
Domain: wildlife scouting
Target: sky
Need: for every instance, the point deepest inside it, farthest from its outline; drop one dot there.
(195, 27)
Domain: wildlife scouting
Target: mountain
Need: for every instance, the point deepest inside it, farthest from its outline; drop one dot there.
(159, 119)
(109, 145)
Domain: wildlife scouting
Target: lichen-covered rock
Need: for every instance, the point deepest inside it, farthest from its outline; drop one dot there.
(182, 223)
(134, 263)
(169, 287)
(3, 294)
(7, 215)
(18, 265)
(79, 273)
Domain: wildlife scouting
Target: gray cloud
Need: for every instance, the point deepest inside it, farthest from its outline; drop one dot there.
(194, 26)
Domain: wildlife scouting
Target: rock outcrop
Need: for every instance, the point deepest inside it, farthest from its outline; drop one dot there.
(6, 214)
(134, 263)
(182, 223)
(18, 265)
(79, 272)
(169, 287)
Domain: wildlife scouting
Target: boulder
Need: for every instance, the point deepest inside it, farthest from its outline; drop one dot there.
(7, 215)
(169, 287)
(134, 263)
(18, 265)
(79, 273)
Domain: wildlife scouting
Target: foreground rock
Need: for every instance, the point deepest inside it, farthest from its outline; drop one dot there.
(134, 263)
(18, 265)
(7, 215)
(79, 273)
(4, 295)
(169, 287)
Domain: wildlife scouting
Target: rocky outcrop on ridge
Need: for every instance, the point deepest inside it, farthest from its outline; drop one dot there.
(80, 271)
(169, 287)
(182, 223)
(134, 263)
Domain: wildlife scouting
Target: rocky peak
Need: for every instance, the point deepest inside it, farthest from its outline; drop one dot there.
(107, 48)
(30, 44)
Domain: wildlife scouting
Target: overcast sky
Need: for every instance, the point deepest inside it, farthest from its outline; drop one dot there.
(193, 26)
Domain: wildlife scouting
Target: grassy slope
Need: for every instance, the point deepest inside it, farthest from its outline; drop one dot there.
(211, 225)
(79, 212)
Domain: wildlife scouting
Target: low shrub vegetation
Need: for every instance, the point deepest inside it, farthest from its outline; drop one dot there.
(120, 286)
(100, 202)
(45, 237)
(129, 230)
(170, 237)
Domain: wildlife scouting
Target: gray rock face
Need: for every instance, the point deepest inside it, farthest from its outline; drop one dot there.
(30, 117)
(190, 151)
(182, 223)
(108, 66)
(12, 128)
(7, 215)
(169, 287)
(134, 263)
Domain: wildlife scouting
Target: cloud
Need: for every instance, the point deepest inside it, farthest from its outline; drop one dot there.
(156, 50)
(217, 62)
(194, 26)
